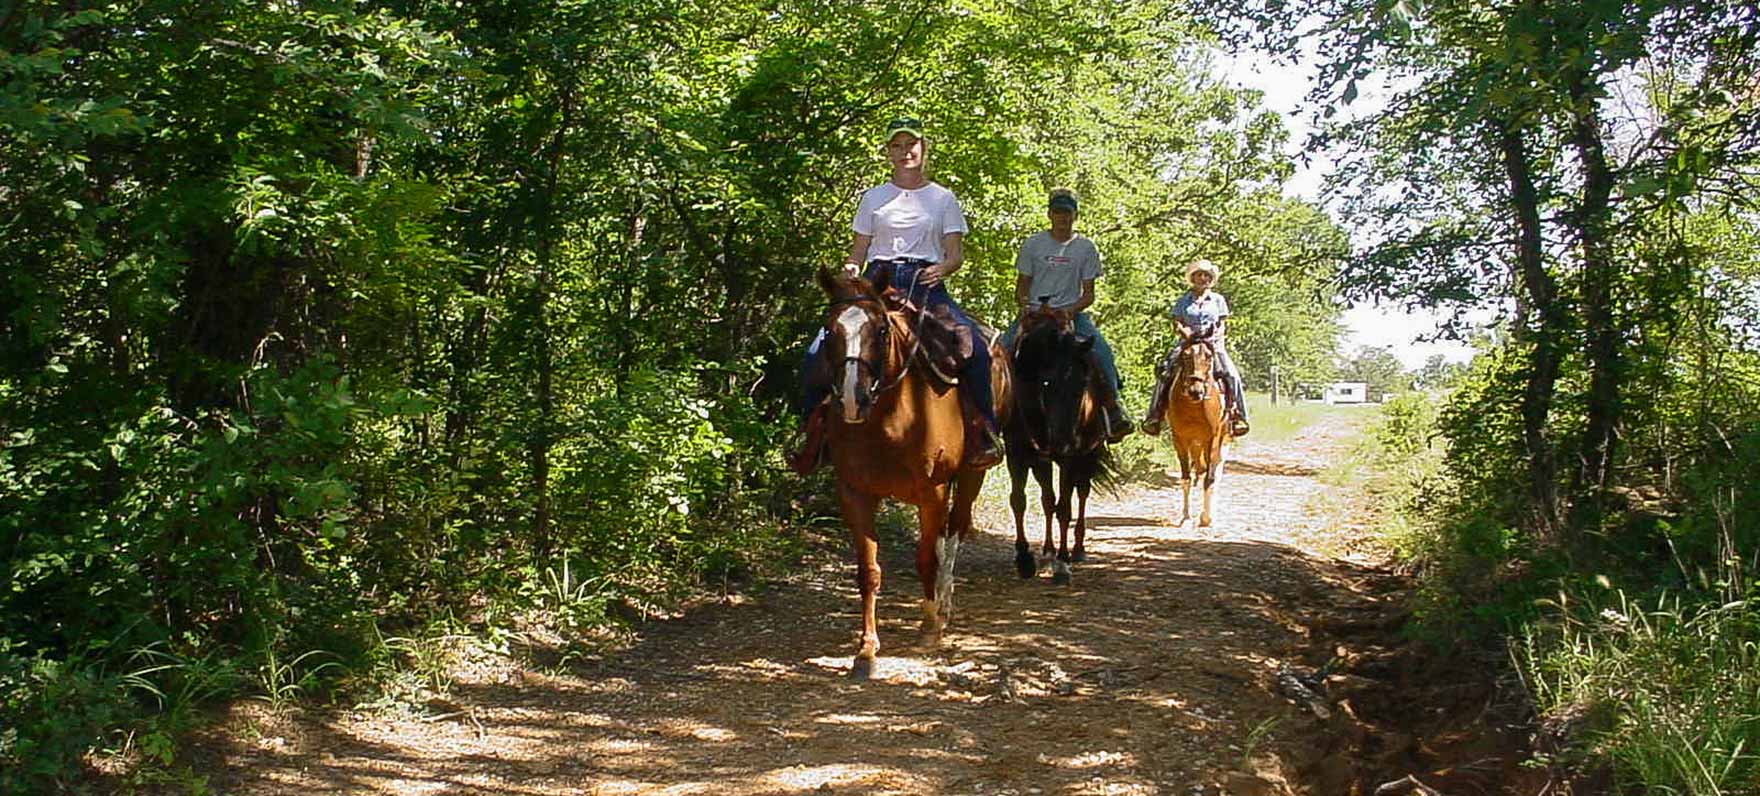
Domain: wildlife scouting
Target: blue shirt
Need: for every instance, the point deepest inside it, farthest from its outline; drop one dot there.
(1201, 314)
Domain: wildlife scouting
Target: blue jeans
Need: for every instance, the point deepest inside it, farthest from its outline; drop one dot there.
(1236, 391)
(974, 378)
(1084, 328)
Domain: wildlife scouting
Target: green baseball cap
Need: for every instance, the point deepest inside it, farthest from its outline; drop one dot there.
(904, 124)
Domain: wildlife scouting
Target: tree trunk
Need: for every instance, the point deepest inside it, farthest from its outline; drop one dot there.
(1545, 324)
(543, 436)
(1600, 276)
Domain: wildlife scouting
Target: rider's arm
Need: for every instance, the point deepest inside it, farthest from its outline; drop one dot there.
(858, 254)
(952, 252)
(951, 257)
(1085, 301)
(1023, 284)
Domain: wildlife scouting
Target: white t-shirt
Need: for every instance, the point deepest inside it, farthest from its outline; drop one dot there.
(1058, 269)
(908, 223)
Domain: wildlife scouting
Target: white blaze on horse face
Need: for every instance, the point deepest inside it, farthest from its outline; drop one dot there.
(851, 322)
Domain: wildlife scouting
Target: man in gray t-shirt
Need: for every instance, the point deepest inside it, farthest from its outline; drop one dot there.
(1058, 267)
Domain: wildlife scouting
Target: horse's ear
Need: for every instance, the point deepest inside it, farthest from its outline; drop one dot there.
(893, 297)
(827, 281)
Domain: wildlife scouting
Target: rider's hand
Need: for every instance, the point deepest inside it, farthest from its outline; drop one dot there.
(850, 270)
(930, 275)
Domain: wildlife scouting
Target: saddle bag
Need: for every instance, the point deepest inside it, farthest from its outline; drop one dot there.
(947, 343)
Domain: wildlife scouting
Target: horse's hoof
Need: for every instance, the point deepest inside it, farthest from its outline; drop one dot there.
(862, 669)
(1060, 575)
(1025, 564)
(1204, 523)
(1079, 556)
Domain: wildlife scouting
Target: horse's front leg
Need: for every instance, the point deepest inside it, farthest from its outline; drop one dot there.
(1017, 500)
(1060, 573)
(936, 551)
(1211, 473)
(1185, 482)
(1083, 486)
(858, 514)
(1047, 503)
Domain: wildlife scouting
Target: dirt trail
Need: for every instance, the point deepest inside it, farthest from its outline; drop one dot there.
(1180, 661)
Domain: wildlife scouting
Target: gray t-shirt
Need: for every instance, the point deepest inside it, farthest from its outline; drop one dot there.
(1058, 269)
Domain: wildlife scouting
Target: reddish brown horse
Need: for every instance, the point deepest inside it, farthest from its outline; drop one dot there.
(897, 432)
(1195, 415)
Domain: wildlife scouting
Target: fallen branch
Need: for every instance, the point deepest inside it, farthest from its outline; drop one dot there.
(1409, 784)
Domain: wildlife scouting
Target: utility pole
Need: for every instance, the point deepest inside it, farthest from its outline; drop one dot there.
(1274, 385)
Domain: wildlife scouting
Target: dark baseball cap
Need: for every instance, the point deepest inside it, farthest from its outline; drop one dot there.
(1063, 200)
(904, 124)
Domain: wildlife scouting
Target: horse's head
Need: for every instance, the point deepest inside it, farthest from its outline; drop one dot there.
(1053, 373)
(1041, 314)
(857, 343)
(1197, 368)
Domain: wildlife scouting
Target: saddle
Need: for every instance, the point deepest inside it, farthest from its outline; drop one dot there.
(945, 343)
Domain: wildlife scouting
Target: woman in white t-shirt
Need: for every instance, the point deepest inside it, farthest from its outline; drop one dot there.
(917, 227)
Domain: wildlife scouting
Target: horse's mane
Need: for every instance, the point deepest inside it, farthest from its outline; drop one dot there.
(844, 289)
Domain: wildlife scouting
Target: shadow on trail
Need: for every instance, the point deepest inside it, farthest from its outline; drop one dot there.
(1150, 674)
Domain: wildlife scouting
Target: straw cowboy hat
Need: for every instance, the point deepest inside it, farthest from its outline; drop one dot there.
(1206, 266)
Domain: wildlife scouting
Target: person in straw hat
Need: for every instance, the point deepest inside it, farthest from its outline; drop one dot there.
(1201, 313)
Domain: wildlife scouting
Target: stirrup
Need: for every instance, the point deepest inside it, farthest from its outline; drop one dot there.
(977, 457)
(1115, 433)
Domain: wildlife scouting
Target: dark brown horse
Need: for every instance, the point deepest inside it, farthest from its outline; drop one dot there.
(1057, 419)
(897, 432)
(1195, 415)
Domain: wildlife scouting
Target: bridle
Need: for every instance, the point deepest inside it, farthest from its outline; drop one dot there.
(1048, 366)
(876, 369)
(1182, 372)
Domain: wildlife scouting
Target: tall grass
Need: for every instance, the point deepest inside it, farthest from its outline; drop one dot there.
(1671, 691)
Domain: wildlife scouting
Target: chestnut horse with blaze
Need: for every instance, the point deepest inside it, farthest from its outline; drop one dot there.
(1196, 417)
(897, 432)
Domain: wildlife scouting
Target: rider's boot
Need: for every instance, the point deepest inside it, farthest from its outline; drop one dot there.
(1237, 413)
(807, 457)
(1117, 425)
(983, 446)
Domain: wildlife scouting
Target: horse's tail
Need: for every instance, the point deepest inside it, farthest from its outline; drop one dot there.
(1106, 470)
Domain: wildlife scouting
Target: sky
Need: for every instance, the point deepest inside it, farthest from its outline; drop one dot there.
(1285, 88)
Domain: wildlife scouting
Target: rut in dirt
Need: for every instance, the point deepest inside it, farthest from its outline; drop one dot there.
(1257, 656)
